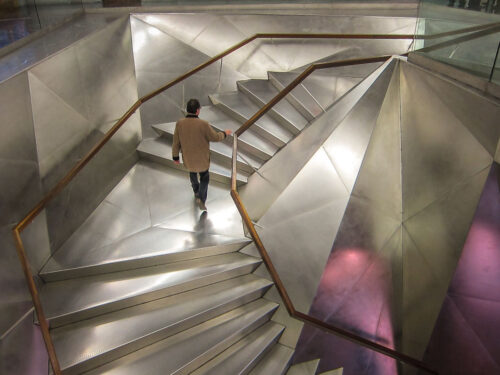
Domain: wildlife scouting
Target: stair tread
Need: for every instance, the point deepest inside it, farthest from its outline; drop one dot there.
(245, 108)
(137, 326)
(70, 300)
(221, 121)
(189, 349)
(300, 93)
(140, 249)
(162, 149)
(240, 358)
(264, 91)
(223, 149)
(275, 362)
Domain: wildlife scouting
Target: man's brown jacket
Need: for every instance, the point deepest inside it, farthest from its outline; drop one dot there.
(192, 137)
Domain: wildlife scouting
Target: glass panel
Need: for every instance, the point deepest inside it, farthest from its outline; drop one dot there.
(17, 20)
(51, 13)
(473, 51)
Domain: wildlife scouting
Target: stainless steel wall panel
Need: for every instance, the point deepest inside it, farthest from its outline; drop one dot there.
(438, 151)
(22, 351)
(478, 114)
(295, 218)
(260, 192)
(71, 115)
(347, 145)
(438, 234)
(379, 179)
(20, 190)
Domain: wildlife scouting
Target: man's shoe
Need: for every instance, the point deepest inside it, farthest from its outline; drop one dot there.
(202, 206)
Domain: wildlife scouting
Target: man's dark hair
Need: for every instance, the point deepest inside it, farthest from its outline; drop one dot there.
(192, 106)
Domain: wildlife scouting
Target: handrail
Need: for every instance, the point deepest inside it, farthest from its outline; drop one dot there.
(17, 230)
(305, 318)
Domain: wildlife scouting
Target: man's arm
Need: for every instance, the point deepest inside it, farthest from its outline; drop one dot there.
(176, 145)
(215, 136)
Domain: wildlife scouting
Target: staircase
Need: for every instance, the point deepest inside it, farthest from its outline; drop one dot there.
(230, 110)
(170, 300)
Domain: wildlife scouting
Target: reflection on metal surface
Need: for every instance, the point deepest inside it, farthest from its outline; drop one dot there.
(472, 306)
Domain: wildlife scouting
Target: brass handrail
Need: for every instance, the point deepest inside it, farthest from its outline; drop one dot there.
(305, 318)
(17, 230)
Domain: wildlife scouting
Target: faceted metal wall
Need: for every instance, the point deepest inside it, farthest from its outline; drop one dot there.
(20, 190)
(77, 95)
(381, 211)
(167, 45)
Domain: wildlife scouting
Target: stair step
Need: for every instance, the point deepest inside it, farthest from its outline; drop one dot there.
(188, 350)
(242, 109)
(160, 150)
(72, 300)
(304, 368)
(299, 97)
(243, 356)
(93, 342)
(261, 91)
(149, 247)
(275, 362)
(221, 151)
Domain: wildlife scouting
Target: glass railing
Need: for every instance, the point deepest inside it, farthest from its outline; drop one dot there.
(20, 18)
(473, 52)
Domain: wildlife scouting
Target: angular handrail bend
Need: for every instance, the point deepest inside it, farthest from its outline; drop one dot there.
(305, 318)
(17, 230)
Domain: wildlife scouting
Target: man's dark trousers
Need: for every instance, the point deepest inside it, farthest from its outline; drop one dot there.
(200, 188)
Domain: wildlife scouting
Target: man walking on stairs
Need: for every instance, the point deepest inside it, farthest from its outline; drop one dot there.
(192, 137)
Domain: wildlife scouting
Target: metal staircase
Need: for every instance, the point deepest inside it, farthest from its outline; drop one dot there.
(172, 301)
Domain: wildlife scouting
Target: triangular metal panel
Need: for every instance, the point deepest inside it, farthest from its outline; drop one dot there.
(58, 127)
(422, 298)
(478, 114)
(438, 151)
(263, 188)
(379, 179)
(70, 89)
(347, 145)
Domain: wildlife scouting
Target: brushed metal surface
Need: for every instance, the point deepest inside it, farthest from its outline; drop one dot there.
(295, 219)
(304, 368)
(299, 97)
(438, 234)
(258, 145)
(219, 151)
(149, 247)
(261, 92)
(241, 357)
(93, 342)
(20, 190)
(438, 151)
(347, 145)
(241, 108)
(160, 150)
(277, 361)
(193, 347)
(262, 191)
(41, 48)
(71, 300)
(24, 338)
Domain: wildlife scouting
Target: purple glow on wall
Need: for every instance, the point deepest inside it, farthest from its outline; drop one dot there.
(466, 338)
(355, 294)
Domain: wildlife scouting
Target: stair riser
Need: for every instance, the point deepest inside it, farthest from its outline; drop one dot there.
(256, 360)
(140, 263)
(220, 347)
(309, 113)
(170, 163)
(272, 112)
(164, 333)
(135, 300)
(255, 128)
